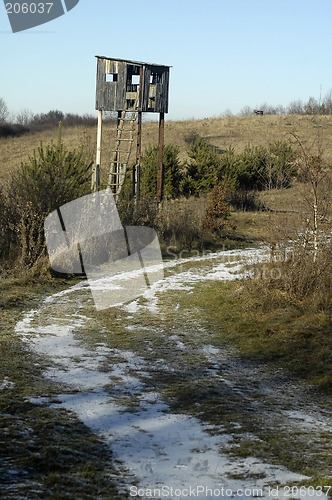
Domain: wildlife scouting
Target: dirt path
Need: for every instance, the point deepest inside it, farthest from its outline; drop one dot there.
(180, 414)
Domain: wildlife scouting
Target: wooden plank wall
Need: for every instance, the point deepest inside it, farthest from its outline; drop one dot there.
(159, 89)
(111, 95)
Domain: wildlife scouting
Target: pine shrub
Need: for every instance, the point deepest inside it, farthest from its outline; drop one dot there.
(172, 172)
(51, 177)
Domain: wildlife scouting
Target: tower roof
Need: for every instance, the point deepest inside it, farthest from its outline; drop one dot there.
(137, 63)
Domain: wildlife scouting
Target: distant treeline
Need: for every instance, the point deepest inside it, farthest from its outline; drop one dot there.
(312, 106)
(25, 121)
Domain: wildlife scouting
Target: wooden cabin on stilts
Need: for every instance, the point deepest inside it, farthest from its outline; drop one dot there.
(129, 88)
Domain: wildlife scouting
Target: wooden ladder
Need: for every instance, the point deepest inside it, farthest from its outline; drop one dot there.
(123, 144)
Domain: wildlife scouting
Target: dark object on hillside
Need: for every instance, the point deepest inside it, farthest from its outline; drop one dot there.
(13, 130)
(258, 112)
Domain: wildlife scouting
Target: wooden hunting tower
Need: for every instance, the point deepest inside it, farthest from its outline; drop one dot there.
(130, 88)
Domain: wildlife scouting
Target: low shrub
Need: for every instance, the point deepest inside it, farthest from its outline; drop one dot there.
(245, 200)
(217, 215)
(172, 172)
(255, 169)
(287, 307)
(137, 213)
(51, 177)
(299, 278)
(180, 223)
(13, 130)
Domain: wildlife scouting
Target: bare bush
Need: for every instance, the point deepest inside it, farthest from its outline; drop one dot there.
(142, 212)
(316, 176)
(297, 279)
(180, 223)
(217, 215)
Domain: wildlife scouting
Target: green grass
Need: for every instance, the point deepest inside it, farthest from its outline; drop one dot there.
(286, 333)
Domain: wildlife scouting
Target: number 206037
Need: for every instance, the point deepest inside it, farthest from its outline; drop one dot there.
(29, 8)
(311, 491)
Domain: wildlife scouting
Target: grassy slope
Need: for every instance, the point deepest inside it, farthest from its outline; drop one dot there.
(223, 132)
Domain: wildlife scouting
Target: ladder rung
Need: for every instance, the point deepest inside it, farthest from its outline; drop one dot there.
(125, 119)
(113, 184)
(119, 136)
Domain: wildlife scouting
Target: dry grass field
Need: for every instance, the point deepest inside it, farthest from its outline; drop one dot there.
(222, 132)
(238, 131)
(285, 205)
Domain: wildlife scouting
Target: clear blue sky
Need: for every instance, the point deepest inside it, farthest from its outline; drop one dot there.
(225, 54)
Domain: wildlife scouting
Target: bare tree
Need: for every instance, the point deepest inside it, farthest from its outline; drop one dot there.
(312, 106)
(246, 111)
(24, 117)
(295, 108)
(3, 111)
(315, 188)
(327, 103)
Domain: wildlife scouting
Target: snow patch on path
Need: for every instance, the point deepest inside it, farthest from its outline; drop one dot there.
(153, 446)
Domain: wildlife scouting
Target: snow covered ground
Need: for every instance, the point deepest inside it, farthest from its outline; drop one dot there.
(160, 453)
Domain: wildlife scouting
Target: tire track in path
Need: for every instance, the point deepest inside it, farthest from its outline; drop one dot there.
(113, 392)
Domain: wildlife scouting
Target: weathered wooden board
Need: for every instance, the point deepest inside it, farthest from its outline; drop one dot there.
(118, 82)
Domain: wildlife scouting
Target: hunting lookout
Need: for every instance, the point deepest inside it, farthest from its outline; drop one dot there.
(129, 88)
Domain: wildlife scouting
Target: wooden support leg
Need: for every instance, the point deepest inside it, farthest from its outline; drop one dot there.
(95, 180)
(136, 172)
(160, 172)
